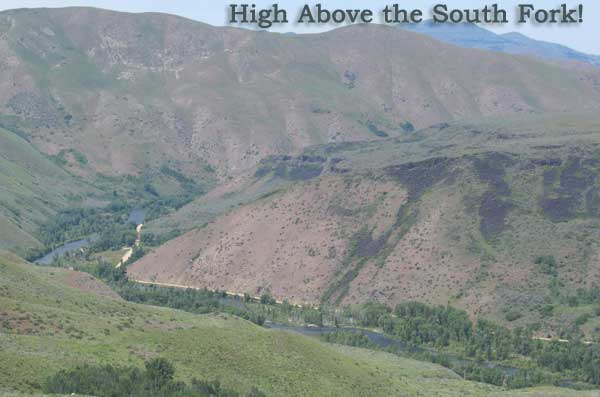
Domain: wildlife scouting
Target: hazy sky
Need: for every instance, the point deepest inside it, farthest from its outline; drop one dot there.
(583, 37)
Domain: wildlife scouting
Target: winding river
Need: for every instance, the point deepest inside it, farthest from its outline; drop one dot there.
(383, 341)
(136, 216)
(64, 249)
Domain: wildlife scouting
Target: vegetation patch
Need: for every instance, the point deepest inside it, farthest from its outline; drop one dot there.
(566, 189)
(494, 205)
(157, 379)
(376, 130)
(292, 168)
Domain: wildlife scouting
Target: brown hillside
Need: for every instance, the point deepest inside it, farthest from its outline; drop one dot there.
(132, 91)
(439, 217)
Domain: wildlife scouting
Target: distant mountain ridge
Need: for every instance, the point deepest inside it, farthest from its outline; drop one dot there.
(467, 35)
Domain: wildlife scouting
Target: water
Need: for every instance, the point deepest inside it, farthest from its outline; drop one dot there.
(378, 339)
(383, 341)
(64, 249)
(136, 217)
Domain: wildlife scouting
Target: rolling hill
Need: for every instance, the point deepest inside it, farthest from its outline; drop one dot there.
(33, 189)
(130, 92)
(52, 318)
(466, 213)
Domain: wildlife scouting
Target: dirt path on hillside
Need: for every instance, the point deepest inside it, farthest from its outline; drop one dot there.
(129, 251)
(228, 293)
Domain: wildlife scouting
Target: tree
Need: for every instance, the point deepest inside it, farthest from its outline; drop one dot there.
(159, 372)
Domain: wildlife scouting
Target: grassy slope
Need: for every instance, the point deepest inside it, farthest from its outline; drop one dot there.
(53, 326)
(534, 392)
(33, 188)
(545, 392)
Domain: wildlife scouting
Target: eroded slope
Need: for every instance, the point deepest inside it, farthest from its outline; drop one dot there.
(439, 217)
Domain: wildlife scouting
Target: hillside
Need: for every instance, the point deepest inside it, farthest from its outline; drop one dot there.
(130, 92)
(472, 36)
(141, 107)
(54, 318)
(364, 165)
(33, 189)
(37, 188)
(458, 213)
(47, 324)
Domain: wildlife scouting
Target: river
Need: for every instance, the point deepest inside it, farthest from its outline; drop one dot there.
(383, 341)
(136, 216)
(64, 249)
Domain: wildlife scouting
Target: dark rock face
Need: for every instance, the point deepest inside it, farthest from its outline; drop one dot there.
(369, 248)
(493, 211)
(292, 168)
(491, 169)
(592, 202)
(494, 205)
(558, 209)
(418, 177)
(566, 190)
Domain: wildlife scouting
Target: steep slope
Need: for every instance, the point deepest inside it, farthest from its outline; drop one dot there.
(457, 213)
(48, 325)
(32, 189)
(132, 92)
(54, 318)
(472, 36)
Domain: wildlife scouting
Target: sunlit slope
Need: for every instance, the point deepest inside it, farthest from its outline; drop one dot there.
(455, 213)
(32, 189)
(47, 324)
(135, 91)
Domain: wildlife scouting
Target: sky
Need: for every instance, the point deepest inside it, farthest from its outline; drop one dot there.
(581, 36)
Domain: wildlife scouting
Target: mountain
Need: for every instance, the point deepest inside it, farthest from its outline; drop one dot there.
(143, 104)
(468, 35)
(132, 92)
(491, 215)
(359, 166)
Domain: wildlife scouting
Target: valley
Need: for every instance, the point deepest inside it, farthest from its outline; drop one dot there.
(367, 211)
(128, 333)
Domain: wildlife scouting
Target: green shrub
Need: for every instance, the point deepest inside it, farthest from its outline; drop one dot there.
(546, 265)
(513, 315)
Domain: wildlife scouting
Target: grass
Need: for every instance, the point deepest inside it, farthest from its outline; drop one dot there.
(33, 188)
(544, 392)
(47, 325)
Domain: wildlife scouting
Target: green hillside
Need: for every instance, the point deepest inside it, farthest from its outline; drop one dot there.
(33, 189)
(47, 325)
(53, 318)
